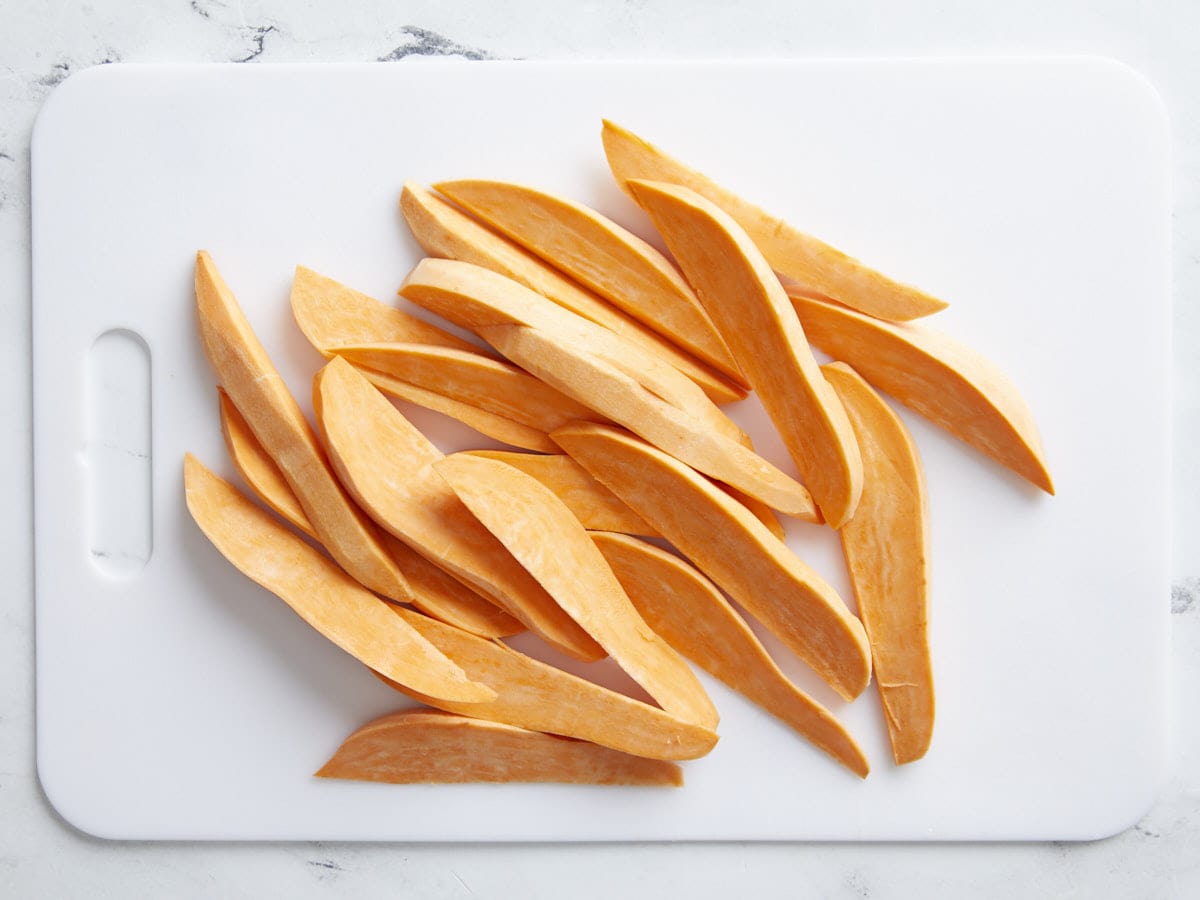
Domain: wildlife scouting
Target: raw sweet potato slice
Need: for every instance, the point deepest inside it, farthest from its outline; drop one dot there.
(547, 539)
(948, 383)
(424, 746)
(601, 255)
(434, 592)
(620, 398)
(760, 511)
(732, 547)
(791, 252)
(749, 306)
(594, 505)
(531, 694)
(320, 592)
(693, 617)
(886, 546)
(246, 373)
(446, 232)
(386, 464)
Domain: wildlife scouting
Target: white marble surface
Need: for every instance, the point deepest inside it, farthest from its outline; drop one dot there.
(40, 44)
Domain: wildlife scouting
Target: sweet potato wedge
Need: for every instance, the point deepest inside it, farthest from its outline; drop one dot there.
(531, 694)
(791, 252)
(246, 373)
(424, 746)
(753, 314)
(601, 255)
(693, 617)
(886, 546)
(434, 592)
(446, 232)
(946, 382)
(321, 593)
(547, 539)
(386, 464)
(732, 547)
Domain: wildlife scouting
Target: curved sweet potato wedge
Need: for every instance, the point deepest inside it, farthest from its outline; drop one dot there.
(547, 539)
(531, 694)
(434, 592)
(321, 593)
(753, 314)
(424, 746)
(693, 617)
(948, 383)
(247, 374)
(446, 232)
(791, 252)
(732, 547)
(386, 464)
(887, 555)
(601, 255)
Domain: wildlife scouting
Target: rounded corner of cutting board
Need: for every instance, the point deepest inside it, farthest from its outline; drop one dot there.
(70, 805)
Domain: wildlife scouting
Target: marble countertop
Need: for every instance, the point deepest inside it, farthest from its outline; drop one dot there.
(42, 44)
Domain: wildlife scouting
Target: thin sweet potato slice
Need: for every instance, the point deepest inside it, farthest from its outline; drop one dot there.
(320, 592)
(752, 312)
(948, 383)
(732, 547)
(446, 232)
(791, 252)
(386, 464)
(693, 617)
(246, 373)
(424, 746)
(601, 255)
(434, 592)
(547, 539)
(532, 694)
(886, 546)
(594, 505)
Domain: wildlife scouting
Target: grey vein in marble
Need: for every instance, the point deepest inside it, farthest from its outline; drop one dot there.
(1183, 596)
(429, 43)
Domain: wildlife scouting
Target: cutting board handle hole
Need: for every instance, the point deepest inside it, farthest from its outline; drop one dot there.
(118, 453)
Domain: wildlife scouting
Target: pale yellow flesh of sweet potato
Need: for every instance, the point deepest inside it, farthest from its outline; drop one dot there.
(531, 694)
(690, 613)
(386, 463)
(753, 314)
(620, 398)
(601, 255)
(446, 232)
(733, 548)
(546, 538)
(249, 378)
(434, 591)
(595, 506)
(791, 252)
(422, 746)
(321, 593)
(946, 382)
(886, 546)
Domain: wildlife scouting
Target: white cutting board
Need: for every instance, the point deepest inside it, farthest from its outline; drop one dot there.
(177, 700)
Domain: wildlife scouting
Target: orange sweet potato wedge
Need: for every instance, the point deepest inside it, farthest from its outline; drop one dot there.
(601, 255)
(749, 306)
(546, 538)
(886, 546)
(531, 694)
(732, 547)
(948, 383)
(594, 505)
(424, 746)
(693, 617)
(434, 592)
(791, 252)
(446, 232)
(249, 378)
(386, 464)
(320, 592)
